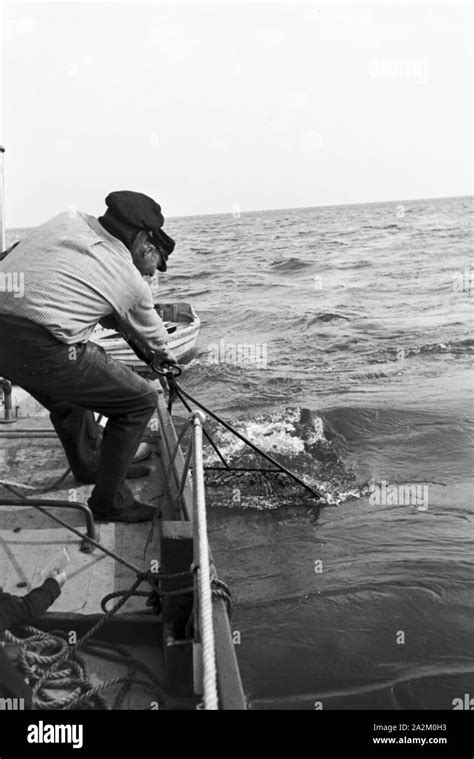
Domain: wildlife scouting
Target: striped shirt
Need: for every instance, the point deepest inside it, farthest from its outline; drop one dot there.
(70, 273)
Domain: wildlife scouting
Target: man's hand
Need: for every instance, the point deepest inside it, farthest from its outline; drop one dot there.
(160, 359)
(59, 576)
(168, 358)
(56, 568)
(163, 357)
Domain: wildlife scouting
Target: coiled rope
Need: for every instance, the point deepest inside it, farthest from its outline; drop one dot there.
(50, 663)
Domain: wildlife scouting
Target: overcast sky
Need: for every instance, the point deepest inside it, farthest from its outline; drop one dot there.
(207, 106)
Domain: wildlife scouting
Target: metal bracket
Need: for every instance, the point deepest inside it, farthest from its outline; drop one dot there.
(6, 387)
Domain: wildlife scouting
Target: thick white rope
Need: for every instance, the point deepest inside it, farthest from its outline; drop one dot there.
(206, 628)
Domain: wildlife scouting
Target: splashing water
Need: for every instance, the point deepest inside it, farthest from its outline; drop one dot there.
(294, 437)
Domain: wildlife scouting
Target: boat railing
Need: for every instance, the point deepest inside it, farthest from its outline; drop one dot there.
(209, 659)
(204, 661)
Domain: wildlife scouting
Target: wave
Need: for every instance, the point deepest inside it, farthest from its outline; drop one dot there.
(382, 227)
(202, 251)
(295, 438)
(336, 242)
(192, 293)
(326, 316)
(370, 375)
(197, 275)
(290, 264)
(434, 446)
(361, 263)
(458, 347)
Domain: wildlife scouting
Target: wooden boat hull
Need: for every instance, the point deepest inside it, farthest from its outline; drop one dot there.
(181, 316)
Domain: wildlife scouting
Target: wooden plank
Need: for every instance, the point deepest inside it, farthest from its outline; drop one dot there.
(30, 540)
(25, 554)
(139, 543)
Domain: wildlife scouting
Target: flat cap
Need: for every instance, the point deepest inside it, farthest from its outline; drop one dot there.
(129, 212)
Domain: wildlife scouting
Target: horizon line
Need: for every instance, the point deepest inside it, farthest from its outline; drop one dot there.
(326, 205)
(298, 208)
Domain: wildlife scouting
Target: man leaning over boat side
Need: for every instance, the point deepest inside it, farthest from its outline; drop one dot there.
(79, 271)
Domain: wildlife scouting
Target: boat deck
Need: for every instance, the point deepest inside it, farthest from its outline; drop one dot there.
(31, 454)
(29, 540)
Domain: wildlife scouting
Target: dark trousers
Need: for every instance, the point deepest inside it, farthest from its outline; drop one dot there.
(72, 381)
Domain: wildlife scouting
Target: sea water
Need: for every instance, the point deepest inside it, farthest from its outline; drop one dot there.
(340, 340)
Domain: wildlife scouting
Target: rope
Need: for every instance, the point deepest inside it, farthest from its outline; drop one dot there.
(174, 388)
(221, 590)
(50, 664)
(182, 394)
(156, 592)
(206, 630)
(44, 489)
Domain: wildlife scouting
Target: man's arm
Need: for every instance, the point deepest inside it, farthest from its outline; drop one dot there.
(144, 330)
(16, 610)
